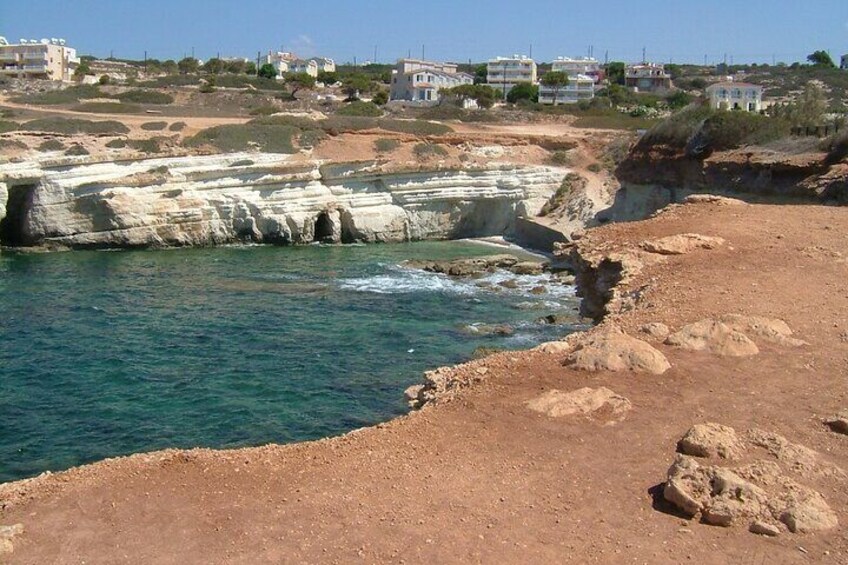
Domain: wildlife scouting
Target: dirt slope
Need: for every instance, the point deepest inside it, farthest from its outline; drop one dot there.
(483, 478)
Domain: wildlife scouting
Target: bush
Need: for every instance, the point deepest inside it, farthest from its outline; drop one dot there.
(244, 137)
(74, 125)
(677, 129)
(836, 147)
(104, 80)
(206, 88)
(154, 126)
(77, 150)
(177, 126)
(523, 91)
(729, 130)
(6, 144)
(311, 138)
(107, 108)
(380, 98)
(385, 145)
(570, 183)
(263, 111)
(7, 126)
(139, 96)
(69, 95)
(560, 158)
(152, 145)
(360, 108)
(116, 144)
(424, 151)
(594, 168)
(51, 145)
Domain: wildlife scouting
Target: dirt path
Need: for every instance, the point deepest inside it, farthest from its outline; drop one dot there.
(485, 479)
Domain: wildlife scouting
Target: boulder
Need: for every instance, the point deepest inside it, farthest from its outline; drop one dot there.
(656, 330)
(711, 440)
(601, 402)
(527, 268)
(772, 330)
(610, 349)
(714, 337)
(681, 244)
(764, 528)
(502, 330)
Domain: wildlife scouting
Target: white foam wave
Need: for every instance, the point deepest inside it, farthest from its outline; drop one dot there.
(406, 281)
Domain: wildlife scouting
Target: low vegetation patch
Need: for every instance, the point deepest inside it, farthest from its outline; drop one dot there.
(140, 96)
(77, 150)
(425, 151)
(570, 183)
(264, 111)
(70, 95)
(51, 145)
(152, 145)
(836, 147)
(360, 108)
(154, 126)
(6, 144)
(7, 126)
(116, 143)
(386, 145)
(75, 126)
(454, 112)
(311, 138)
(107, 108)
(177, 126)
(560, 159)
(244, 137)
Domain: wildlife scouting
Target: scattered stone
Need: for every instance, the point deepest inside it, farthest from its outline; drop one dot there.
(657, 330)
(538, 290)
(839, 423)
(527, 268)
(565, 278)
(714, 337)
(764, 528)
(710, 440)
(610, 349)
(413, 394)
(600, 402)
(681, 244)
(809, 514)
(509, 283)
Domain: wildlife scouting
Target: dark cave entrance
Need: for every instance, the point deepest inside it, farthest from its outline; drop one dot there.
(324, 228)
(17, 206)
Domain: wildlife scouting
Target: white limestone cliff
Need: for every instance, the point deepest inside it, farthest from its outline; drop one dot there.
(205, 200)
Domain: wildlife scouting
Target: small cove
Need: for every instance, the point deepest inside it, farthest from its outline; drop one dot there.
(110, 353)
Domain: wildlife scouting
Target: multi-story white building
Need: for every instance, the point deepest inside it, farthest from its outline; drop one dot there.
(579, 87)
(47, 59)
(585, 66)
(647, 77)
(285, 62)
(735, 96)
(416, 80)
(308, 66)
(325, 65)
(503, 73)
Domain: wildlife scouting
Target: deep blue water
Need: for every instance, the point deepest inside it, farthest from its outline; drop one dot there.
(110, 353)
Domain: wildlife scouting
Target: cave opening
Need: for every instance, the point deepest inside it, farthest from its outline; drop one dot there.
(17, 206)
(324, 228)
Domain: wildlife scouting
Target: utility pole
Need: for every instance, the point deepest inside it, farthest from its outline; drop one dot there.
(705, 60)
(422, 51)
(192, 52)
(145, 60)
(606, 57)
(531, 50)
(354, 61)
(258, 57)
(375, 54)
(644, 55)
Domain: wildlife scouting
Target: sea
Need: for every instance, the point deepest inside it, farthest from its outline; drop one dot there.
(108, 353)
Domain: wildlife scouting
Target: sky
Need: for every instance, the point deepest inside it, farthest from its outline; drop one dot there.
(681, 31)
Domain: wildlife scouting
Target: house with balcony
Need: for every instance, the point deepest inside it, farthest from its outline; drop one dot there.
(417, 80)
(47, 59)
(308, 66)
(286, 62)
(586, 66)
(579, 87)
(740, 96)
(647, 77)
(503, 73)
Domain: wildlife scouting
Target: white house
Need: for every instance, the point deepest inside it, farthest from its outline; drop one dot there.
(503, 73)
(416, 80)
(47, 59)
(586, 66)
(579, 87)
(647, 77)
(308, 66)
(735, 96)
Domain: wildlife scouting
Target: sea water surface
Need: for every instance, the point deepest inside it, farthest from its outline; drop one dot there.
(111, 353)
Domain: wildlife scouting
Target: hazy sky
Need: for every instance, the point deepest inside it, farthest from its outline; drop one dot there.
(458, 30)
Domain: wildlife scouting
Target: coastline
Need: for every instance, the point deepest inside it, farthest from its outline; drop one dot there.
(476, 475)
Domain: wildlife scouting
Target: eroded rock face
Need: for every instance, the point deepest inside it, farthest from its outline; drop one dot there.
(746, 488)
(205, 200)
(681, 244)
(7, 536)
(597, 403)
(610, 349)
(714, 337)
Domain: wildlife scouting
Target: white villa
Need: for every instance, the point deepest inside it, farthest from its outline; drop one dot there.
(285, 62)
(503, 73)
(47, 59)
(416, 80)
(586, 66)
(579, 87)
(735, 96)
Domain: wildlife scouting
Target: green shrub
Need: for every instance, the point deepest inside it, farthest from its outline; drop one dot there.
(729, 130)
(107, 108)
(172, 80)
(385, 145)
(104, 80)
(594, 168)
(77, 150)
(116, 143)
(74, 125)
(380, 98)
(570, 183)
(311, 138)
(7, 126)
(360, 108)
(264, 111)
(424, 151)
(69, 95)
(677, 129)
(154, 126)
(177, 126)
(140, 96)
(11, 144)
(152, 145)
(51, 145)
(560, 158)
(243, 137)
(836, 147)
(206, 88)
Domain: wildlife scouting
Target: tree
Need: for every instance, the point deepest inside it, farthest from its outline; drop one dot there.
(214, 66)
(82, 69)
(327, 78)
(104, 80)
(299, 81)
(523, 91)
(481, 74)
(484, 94)
(267, 71)
(615, 72)
(188, 65)
(821, 59)
(249, 68)
(170, 67)
(807, 110)
(380, 98)
(556, 80)
(355, 84)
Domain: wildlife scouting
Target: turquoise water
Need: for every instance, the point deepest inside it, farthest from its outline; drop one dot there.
(110, 353)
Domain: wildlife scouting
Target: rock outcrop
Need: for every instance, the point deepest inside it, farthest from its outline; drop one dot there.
(598, 404)
(206, 200)
(713, 337)
(610, 349)
(681, 244)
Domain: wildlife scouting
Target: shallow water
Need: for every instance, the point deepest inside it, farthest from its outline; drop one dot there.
(110, 353)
